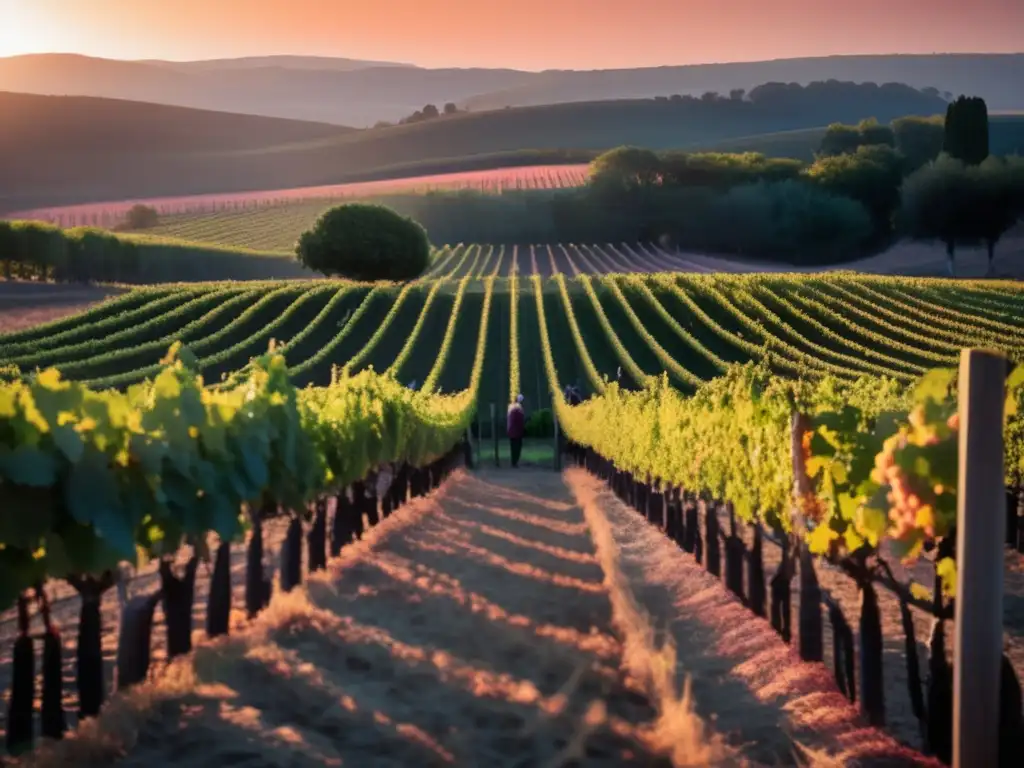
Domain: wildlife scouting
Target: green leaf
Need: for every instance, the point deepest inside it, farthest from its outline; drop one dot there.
(946, 570)
(871, 524)
(935, 385)
(68, 441)
(26, 514)
(27, 465)
(921, 592)
(852, 539)
(848, 505)
(819, 541)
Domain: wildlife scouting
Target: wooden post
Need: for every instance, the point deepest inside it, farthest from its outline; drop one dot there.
(479, 437)
(494, 434)
(558, 453)
(980, 532)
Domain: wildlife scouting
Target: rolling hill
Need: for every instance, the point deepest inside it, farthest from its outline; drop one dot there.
(296, 88)
(67, 125)
(127, 150)
(995, 77)
(361, 93)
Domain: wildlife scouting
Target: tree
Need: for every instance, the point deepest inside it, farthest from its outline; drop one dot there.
(872, 175)
(993, 205)
(954, 202)
(934, 204)
(842, 139)
(141, 216)
(737, 94)
(430, 111)
(450, 108)
(626, 169)
(918, 139)
(365, 242)
(839, 139)
(872, 134)
(966, 130)
(789, 217)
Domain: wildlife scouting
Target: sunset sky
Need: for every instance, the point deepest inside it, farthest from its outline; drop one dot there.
(525, 34)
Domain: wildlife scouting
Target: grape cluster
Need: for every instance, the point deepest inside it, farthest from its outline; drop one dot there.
(914, 499)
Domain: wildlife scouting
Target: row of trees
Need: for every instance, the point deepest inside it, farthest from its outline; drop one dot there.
(35, 250)
(429, 112)
(922, 177)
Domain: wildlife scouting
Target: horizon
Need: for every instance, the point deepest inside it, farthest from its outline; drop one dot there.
(534, 36)
(410, 64)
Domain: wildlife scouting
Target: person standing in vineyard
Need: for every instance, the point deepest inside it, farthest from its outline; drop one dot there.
(515, 427)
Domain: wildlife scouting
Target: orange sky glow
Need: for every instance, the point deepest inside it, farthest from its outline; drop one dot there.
(524, 34)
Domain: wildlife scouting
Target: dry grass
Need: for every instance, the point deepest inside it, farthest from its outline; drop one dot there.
(769, 706)
(678, 729)
(453, 635)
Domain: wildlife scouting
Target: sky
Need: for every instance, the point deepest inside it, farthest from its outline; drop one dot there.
(521, 34)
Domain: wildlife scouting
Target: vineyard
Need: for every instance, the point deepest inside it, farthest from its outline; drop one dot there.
(491, 181)
(600, 326)
(767, 425)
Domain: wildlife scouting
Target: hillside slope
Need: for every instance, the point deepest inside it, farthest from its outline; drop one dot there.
(362, 93)
(995, 77)
(51, 168)
(71, 124)
(325, 92)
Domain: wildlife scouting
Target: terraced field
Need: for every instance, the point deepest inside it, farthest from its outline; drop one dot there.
(599, 324)
(494, 180)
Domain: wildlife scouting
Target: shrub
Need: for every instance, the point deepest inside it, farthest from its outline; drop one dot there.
(81, 254)
(626, 168)
(142, 217)
(40, 248)
(872, 175)
(842, 139)
(951, 201)
(540, 424)
(365, 242)
(919, 140)
(801, 222)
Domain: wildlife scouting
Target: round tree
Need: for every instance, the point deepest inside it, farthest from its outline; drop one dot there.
(365, 242)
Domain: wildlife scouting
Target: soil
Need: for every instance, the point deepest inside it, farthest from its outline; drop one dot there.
(508, 619)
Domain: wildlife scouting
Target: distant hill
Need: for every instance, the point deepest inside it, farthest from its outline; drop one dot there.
(995, 77)
(361, 93)
(65, 150)
(291, 88)
(325, 63)
(59, 127)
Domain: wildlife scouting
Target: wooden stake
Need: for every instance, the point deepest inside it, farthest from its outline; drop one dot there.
(980, 532)
(494, 434)
(558, 454)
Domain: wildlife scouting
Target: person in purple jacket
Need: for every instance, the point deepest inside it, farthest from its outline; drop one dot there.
(515, 426)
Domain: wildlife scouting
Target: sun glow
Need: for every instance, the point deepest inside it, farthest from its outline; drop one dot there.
(24, 30)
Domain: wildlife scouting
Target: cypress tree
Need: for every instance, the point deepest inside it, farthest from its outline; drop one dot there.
(966, 135)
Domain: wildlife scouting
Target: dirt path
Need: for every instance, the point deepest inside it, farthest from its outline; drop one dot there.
(507, 620)
(472, 628)
(753, 686)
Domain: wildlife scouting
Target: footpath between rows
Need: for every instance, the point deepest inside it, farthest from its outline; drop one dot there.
(512, 618)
